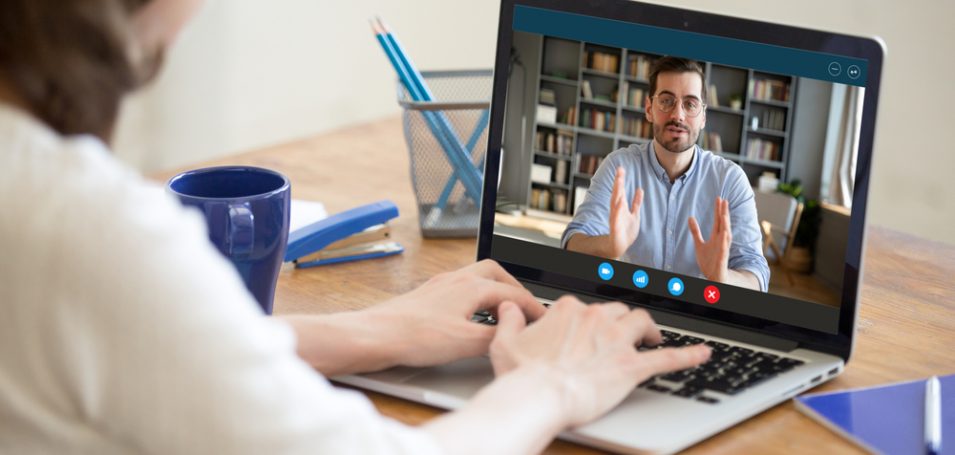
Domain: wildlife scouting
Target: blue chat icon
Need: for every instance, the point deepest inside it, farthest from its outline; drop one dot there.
(675, 286)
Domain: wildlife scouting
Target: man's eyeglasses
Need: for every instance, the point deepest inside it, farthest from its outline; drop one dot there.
(667, 102)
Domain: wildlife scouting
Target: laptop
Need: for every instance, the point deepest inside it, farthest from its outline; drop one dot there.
(785, 108)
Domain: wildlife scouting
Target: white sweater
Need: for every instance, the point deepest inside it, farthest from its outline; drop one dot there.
(123, 331)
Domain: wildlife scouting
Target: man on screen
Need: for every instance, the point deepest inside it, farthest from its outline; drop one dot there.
(649, 204)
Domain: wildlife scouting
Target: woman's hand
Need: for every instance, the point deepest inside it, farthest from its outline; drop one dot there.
(432, 324)
(589, 351)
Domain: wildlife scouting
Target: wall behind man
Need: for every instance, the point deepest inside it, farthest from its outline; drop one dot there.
(248, 73)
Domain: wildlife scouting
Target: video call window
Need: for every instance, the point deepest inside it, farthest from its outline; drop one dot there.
(779, 148)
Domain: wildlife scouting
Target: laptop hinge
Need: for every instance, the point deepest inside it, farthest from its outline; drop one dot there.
(682, 322)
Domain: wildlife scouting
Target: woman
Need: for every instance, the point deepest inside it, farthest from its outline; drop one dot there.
(124, 331)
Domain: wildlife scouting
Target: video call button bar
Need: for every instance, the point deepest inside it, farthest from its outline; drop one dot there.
(673, 286)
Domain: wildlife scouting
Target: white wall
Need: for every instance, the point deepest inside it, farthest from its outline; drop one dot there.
(249, 73)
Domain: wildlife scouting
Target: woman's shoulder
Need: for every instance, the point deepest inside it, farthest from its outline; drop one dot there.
(68, 199)
(47, 177)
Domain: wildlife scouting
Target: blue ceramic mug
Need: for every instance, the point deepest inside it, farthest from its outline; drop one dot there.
(247, 212)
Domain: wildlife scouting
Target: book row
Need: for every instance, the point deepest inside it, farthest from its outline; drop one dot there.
(561, 143)
(598, 120)
(761, 149)
(639, 66)
(637, 127)
(602, 61)
(550, 173)
(589, 164)
(768, 89)
(773, 119)
(549, 200)
(712, 141)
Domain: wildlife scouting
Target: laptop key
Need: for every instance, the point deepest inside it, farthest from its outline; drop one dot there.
(706, 399)
(740, 350)
(688, 340)
(677, 376)
(687, 391)
(717, 346)
(658, 388)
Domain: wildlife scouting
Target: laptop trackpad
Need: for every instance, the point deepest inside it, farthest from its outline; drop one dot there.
(447, 386)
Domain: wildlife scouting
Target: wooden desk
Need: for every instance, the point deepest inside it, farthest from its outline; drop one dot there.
(906, 322)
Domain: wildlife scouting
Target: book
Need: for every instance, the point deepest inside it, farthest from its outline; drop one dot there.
(768, 90)
(602, 61)
(546, 114)
(543, 202)
(560, 201)
(586, 90)
(548, 96)
(885, 419)
(712, 141)
(635, 97)
(560, 172)
(541, 173)
(712, 98)
(580, 193)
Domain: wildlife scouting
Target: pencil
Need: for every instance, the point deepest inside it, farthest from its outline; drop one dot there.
(458, 156)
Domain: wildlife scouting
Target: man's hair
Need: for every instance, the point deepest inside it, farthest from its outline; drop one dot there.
(72, 61)
(676, 65)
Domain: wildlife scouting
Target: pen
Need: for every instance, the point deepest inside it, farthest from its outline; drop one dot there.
(933, 416)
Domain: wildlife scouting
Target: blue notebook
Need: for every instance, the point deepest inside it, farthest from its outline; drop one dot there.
(885, 419)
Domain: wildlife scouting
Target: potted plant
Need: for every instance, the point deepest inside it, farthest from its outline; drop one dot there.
(799, 255)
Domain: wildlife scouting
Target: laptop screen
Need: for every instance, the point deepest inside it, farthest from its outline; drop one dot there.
(694, 172)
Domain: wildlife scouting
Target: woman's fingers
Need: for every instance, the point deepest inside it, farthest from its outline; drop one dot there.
(665, 360)
(489, 294)
(510, 321)
(640, 327)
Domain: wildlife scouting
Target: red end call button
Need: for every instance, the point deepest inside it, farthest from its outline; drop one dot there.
(711, 294)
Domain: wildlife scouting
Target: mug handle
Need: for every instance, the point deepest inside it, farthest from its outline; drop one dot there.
(241, 230)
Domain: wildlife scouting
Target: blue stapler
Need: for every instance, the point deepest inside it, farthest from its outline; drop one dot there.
(359, 233)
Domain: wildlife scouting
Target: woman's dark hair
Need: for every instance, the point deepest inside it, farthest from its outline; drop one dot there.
(72, 61)
(675, 65)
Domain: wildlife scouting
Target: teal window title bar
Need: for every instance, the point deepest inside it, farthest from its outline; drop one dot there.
(717, 49)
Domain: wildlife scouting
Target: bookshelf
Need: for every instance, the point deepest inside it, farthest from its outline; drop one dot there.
(590, 103)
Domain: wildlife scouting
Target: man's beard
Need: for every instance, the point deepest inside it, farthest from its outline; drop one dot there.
(678, 144)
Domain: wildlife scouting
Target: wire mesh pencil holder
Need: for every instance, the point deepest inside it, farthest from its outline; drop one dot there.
(447, 139)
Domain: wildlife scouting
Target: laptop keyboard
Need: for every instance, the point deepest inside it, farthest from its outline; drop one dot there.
(730, 370)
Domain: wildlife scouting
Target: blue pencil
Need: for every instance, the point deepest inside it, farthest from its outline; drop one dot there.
(458, 156)
(413, 81)
(475, 135)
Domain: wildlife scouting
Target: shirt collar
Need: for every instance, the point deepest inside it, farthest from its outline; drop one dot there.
(662, 173)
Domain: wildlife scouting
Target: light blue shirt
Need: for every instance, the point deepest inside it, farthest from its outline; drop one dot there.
(665, 241)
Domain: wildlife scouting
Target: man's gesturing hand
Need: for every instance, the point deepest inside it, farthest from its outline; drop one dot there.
(713, 255)
(624, 220)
